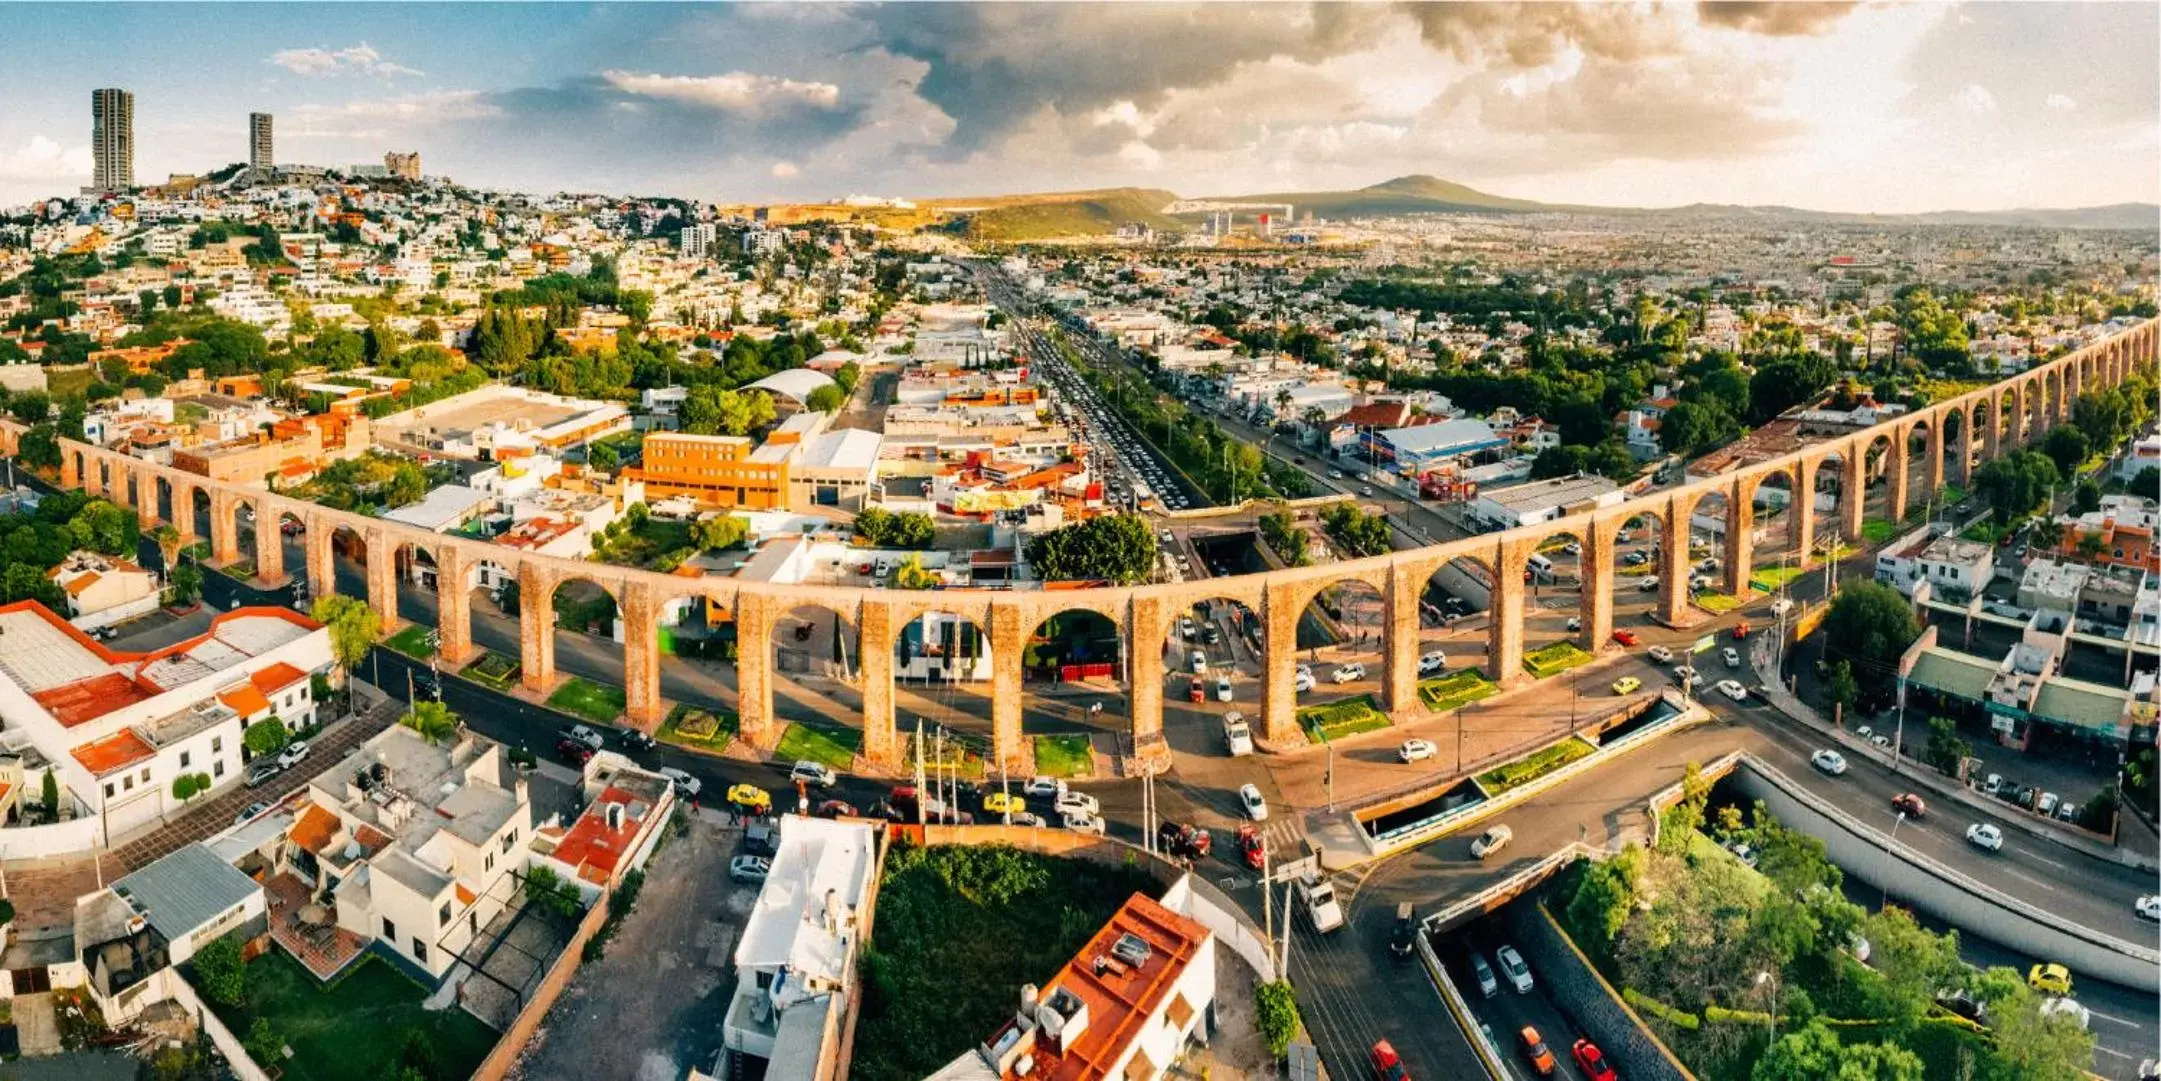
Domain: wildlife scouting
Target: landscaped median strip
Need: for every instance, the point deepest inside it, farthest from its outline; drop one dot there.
(1456, 690)
(1537, 764)
(1334, 721)
(1064, 756)
(1555, 659)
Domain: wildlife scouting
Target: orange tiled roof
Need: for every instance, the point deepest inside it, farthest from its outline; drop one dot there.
(465, 896)
(76, 587)
(276, 678)
(313, 829)
(114, 752)
(1120, 999)
(89, 699)
(245, 700)
(592, 847)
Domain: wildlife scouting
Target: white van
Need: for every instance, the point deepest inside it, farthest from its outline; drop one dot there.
(1540, 565)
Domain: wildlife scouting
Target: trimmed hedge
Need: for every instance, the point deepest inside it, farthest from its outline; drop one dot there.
(1456, 690)
(1554, 659)
(1643, 1003)
(1529, 768)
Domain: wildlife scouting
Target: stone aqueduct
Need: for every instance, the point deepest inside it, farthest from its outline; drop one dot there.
(1990, 420)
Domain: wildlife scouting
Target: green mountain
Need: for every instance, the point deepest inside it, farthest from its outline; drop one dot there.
(1060, 214)
(1417, 194)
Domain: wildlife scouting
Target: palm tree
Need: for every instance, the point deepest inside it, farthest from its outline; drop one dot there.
(168, 539)
(432, 720)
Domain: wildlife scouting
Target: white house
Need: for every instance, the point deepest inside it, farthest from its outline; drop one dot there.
(129, 935)
(795, 963)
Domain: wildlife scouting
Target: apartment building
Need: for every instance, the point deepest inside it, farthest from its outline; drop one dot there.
(714, 470)
(2124, 525)
(796, 961)
(117, 727)
(102, 589)
(294, 442)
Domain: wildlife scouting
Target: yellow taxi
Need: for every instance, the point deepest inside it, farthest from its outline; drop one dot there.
(751, 798)
(2050, 978)
(999, 803)
(1626, 685)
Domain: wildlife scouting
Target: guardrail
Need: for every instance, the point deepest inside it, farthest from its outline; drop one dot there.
(1671, 794)
(1509, 887)
(1474, 1033)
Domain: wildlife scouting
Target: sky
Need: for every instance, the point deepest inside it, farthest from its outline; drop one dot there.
(1884, 107)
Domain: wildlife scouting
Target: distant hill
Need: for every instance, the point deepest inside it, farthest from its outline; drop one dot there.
(1049, 215)
(1052, 215)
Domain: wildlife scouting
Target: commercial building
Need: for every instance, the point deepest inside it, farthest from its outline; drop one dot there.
(835, 469)
(796, 961)
(117, 727)
(1544, 500)
(496, 421)
(1417, 447)
(714, 470)
(112, 139)
(103, 590)
(261, 159)
(1124, 1008)
(291, 446)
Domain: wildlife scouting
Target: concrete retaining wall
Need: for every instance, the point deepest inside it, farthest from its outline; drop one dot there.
(229, 1045)
(1869, 856)
(1585, 996)
(512, 1044)
(1444, 985)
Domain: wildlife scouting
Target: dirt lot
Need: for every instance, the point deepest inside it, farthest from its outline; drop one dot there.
(652, 1007)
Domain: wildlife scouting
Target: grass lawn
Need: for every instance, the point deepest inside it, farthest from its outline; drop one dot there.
(1877, 531)
(590, 700)
(834, 747)
(1063, 756)
(1639, 570)
(1339, 719)
(1717, 603)
(698, 729)
(1000, 916)
(1770, 578)
(494, 669)
(1529, 768)
(642, 546)
(413, 642)
(1554, 659)
(353, 1029)
(1455, 690)
(959, 758)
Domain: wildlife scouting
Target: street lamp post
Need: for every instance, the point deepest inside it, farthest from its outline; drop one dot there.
(1888, 840)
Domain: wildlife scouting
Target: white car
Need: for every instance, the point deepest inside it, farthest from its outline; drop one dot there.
(1649, 584)
(1829, 761)
(1732, 657)
(1732, 688)
(1432, 662)
(1514, 970)
(1050, 787)
(749, 868)
(1572, 548)
(1082, 823)
(1078, 803)
(1349, 672)
(1237, 735)
(1984, 835)
(685, 784)
(1198, 662)
(1416, 750)
(1223, 688)
(813, 774)
(1302, 682)
(1661, 654)
(1491, 841)
(1187, 630)
(294, 753)
(1782, 606)
(2148, 906)
(587, 736)
(1249, 797)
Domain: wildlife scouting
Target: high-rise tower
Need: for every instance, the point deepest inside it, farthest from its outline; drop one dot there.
(260, 159)
(112, 139)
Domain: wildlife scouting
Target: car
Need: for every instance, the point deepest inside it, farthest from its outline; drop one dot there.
(1591, 1061)
(1649, 584)
(1985, 835)
(1483, 973)
(1302, 682)
(1184, 840)
(637, 739)
(1910, 805)
(262, 770)
(1731, 656)
(751, 869)
(1237, 734)
(1256, 807)
(1348, 672)
(1575, 623)
(2148, 906)
(1196, 691)
(1829, 761)
(1685, 674)
(1536, 1052)
(1625, 638)
(250, 811)
(1432, 662)
(1572, 548)
(1198, 662)
(1187, 630)
(2046, 805)
(836, 808)
(1741, 851)
(1782, 606)
(685, 784)
(584, 735)
(294, 753)
(2067, 811)
(1319, 897)
(1627, 685)
(1211, 634)
(1493, 840)
(1077, 821)
(1993, 785)
(2049, 978)
(750, 797)
(1635, 559)
(1250, 846)
(999, 803)
(1223, 688)
(1335, 474)
(814, 774)
(1416, 750)
(1661, 654)
(573, 752)
(1512, 967)
(2068, 1007)
(1078, 803)
(1386, 1066)
(1403, 933)
(1732, 688)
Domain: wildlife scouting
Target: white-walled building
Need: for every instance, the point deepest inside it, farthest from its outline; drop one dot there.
(796, 961)
(128, 936)
(103, 590)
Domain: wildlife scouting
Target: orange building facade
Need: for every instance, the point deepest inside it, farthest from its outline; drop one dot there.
(715, 470)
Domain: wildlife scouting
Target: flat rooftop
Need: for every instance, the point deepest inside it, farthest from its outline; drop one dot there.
(77, 679)
(1540, 495)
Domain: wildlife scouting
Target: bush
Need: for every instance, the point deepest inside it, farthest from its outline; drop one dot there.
(1276, 1011)
(2099, 813)
(265, 737)
(1645, 1004)
(548, 891)
(220, 972)
(263, 1044)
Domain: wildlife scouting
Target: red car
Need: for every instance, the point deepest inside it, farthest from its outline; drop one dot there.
(1386, 1066)
(1910, 805)
(1590, 1061)
(1196, 691)
(1740, 630)
(1249, 845)
(573, 752)
(1626, 638)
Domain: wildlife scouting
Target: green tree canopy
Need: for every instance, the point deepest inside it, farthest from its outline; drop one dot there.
(1114, 547)
(1870, 625)
(432, 720)
(1815, 1053)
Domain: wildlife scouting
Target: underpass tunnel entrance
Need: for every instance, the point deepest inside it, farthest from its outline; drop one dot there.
(1074, 700)
(1342, 650)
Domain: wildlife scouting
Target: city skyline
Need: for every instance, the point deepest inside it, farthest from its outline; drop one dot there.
(1822, 106)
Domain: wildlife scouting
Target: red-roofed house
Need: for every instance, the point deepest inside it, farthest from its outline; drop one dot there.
(102, 590)
(625, 810)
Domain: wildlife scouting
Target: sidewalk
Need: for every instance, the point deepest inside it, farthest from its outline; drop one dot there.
(2136, 845)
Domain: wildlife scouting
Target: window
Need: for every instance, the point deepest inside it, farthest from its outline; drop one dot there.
(442, 915)
(510, 838)
(217, 768)
(184, 755)
(108, 790)
(487, 863)
(390, 930)
(127, 784)
(217, 745)
(146, 774)
(420, 951)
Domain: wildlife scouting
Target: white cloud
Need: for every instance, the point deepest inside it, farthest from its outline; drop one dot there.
(1975, 98)
(41, 158)
(735, 92)
(376, 117)
(361, 59)
(2062, 103)
(785, 169)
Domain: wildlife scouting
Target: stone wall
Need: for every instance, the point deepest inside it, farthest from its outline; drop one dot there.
(1585, 996)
